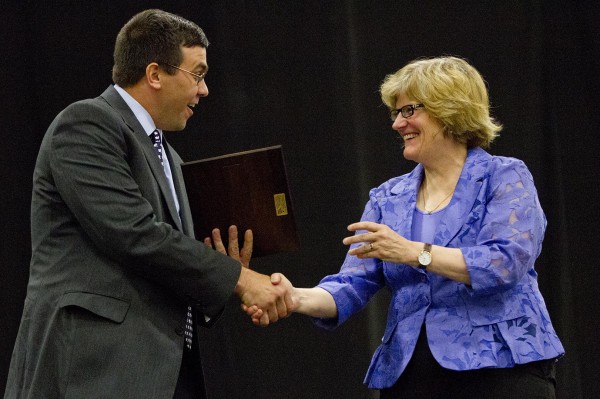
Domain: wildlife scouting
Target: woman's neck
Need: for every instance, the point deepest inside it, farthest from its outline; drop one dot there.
(442, 173)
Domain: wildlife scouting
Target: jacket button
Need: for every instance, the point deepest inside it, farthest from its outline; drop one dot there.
(179, 331)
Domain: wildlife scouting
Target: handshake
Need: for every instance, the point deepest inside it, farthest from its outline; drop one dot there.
(265, 299)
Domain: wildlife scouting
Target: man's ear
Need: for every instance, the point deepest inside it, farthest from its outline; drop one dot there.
(154, 75)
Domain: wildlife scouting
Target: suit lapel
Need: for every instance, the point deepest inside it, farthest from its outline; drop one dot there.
(184, 206)
(185, 214)
(116, 101)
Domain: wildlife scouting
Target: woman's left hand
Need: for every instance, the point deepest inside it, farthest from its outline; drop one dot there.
(383, 243)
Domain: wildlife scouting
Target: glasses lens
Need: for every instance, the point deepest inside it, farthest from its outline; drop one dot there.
(407, 111)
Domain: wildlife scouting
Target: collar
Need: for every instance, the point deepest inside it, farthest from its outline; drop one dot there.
(139, 111)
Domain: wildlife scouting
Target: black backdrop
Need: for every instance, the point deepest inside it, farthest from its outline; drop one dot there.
(305, 74)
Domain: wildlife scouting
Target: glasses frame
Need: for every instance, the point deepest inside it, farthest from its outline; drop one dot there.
(197, 78)
(406, 111)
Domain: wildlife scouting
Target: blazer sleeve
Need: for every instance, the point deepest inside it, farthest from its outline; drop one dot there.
(510, 231)
(358, 279)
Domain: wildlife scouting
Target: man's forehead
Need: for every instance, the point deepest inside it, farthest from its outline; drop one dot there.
(194, 57)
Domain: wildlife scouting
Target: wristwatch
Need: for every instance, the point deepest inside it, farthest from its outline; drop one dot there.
(425, 257)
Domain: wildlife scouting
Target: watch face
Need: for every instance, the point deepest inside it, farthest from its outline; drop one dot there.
(425, 258)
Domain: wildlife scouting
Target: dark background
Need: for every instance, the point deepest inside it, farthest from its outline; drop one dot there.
(305, 74)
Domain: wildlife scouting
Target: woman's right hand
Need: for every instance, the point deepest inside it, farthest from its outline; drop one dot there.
(260, 318)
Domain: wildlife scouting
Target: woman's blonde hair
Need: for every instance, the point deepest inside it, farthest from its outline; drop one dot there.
(452, 91)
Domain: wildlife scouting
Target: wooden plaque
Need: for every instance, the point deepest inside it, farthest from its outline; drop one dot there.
(247, 189)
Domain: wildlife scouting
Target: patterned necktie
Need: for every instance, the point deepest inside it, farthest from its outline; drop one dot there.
(156, 140)
(189, 329)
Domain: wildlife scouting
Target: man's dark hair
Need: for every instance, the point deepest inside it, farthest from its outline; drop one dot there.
(152, 36)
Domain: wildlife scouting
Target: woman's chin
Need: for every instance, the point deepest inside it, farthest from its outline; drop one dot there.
(409, 154)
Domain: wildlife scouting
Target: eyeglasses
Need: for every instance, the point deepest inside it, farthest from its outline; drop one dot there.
(407, 111)
(197, 78)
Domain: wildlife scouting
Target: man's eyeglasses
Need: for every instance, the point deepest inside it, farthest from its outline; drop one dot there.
(197, 78)
(407, 111)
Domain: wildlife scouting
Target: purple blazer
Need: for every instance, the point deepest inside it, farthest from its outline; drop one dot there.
(496, 220)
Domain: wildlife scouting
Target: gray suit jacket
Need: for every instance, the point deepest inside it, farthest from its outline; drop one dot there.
(113, 267)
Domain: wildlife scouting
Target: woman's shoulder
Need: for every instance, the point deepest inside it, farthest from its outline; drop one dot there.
(498, 170)
(397, 184)
(494, 164)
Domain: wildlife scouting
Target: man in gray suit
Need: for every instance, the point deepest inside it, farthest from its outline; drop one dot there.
(116, 272)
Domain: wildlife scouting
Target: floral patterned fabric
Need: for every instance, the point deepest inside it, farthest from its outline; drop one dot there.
(496, 220)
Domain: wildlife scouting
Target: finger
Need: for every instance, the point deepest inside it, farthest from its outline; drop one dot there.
(280, 279)
(359, 237)
(254, 312)
(246, 252)
(281, 308)
(233, 247)
(289, 302)
(368, 226)
(255, 317)
(362, 250)
(264, 320)
(272, 315)
(251, 310)
(218, 242)
(208, 242)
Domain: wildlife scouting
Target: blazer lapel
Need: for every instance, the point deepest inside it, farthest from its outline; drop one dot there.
(465, 197)
(116, 101)
(403, 202)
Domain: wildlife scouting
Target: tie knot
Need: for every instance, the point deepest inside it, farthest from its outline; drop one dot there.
(156, 141)
(155, 137)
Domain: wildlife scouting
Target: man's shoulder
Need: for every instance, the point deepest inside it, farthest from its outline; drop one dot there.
(90, 107)
(95, 113)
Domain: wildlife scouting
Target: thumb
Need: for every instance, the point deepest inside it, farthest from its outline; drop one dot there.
(275, 278)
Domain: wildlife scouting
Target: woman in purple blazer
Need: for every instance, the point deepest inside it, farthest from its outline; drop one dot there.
(455, 241)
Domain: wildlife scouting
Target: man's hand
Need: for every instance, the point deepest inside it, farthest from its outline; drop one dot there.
(233, 249)
(269, 302)
(258, 316)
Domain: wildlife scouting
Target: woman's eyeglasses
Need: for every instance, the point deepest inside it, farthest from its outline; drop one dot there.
(407, 111)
